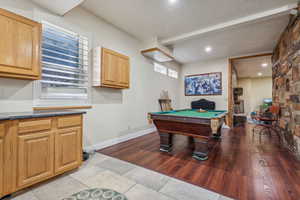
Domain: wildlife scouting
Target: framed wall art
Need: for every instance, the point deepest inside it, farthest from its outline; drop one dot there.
(203, 84)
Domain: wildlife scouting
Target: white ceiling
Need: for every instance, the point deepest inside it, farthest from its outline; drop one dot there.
(246, 39)
(149, 18)
(230, 27)
(250, 67)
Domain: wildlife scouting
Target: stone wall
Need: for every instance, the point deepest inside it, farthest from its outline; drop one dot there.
(286, 83)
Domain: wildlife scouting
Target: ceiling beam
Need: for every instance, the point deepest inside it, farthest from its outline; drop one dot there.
(251, 18)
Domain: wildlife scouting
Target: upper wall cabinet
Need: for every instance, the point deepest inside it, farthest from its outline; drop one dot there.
(19, 46)
(111, 69)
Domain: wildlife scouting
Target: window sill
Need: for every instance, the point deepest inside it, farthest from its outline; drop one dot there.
(61, 108)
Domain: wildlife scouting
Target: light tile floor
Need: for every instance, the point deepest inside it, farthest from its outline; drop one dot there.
(106, 172)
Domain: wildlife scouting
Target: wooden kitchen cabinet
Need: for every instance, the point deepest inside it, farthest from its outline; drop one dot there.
(123, 73)
(35, 149)
(35, 158)
(19, 46)
(2, 129)
(115, 69)
(9, 156)
(68, 143)
(68, 154)
(109, 68)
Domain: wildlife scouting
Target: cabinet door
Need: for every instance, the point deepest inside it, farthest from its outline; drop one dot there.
(68, 149)
(109, 67)
(1, 157)
(1, 164)
(123, 68)
(9, 133)
(35, 158)
(19, 47)
(115, 69)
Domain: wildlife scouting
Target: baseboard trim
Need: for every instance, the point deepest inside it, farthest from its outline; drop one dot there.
(118, 140)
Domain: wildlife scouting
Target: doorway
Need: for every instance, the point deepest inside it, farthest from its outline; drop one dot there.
(248, 75)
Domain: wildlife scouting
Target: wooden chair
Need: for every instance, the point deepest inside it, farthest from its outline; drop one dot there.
(267, 123)
(165, 105)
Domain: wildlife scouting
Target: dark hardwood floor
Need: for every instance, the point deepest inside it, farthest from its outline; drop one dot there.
(240, 166)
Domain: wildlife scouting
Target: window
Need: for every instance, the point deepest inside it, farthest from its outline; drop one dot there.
(160, 68)
(172, 73)
(64, 68)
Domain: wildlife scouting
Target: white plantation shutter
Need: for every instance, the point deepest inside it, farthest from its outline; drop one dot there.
(64, 67)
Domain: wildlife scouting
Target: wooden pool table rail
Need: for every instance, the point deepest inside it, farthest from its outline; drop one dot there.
(164, 114)
(187, 129)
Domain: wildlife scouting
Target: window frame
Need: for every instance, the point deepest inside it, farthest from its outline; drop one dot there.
(156, 67)
(173, 71)
(64, 99)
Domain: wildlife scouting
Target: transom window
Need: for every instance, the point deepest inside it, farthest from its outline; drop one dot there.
(166, 71)
(160, 68)
(172, 73)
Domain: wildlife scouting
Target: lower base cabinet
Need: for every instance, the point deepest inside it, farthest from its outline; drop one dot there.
(34, 150)
(35, 158)
(1, 164)
(67, 149)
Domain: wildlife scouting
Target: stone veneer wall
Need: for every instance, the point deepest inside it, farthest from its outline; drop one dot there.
(286, 83)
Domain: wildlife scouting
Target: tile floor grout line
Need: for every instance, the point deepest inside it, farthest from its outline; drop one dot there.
(135, 167)
(111, 172)
(35, 195)
(80, 182)
(162, 175)
(130, 188)
(168, 196)
(165, 183)
(138, 166)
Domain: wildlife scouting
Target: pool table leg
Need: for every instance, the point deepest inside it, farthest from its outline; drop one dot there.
(166, 142)
(217, 135)
(201, 149)
(216, 126)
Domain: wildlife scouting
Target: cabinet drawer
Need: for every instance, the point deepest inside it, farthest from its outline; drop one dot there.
(2, 130)
(69, 121)
(28, 126)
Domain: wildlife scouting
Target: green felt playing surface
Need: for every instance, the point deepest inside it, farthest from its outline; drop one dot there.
(194, 113)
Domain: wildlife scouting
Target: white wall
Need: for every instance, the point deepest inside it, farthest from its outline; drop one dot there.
(218, 65)
(254, 91)
(115, 113)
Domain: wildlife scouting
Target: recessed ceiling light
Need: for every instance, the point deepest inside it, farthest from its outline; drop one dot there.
(172, 1)
(259, 74)
(208, 49)
(264, 65)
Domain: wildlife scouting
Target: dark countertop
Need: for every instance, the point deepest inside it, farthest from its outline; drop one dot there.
(37, 114)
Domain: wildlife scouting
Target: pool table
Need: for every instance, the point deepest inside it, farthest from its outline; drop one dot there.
(201, 126)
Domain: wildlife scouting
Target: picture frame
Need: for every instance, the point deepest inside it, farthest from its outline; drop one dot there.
(207, 84)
